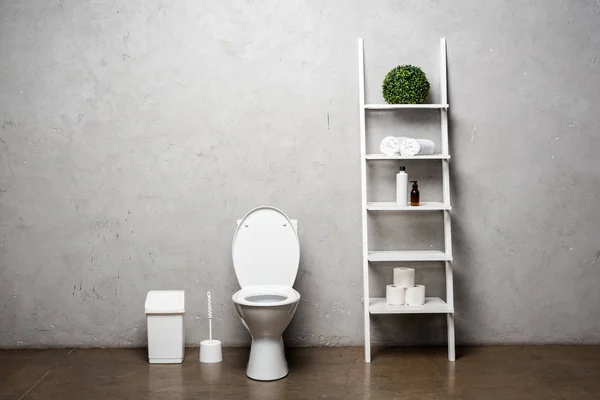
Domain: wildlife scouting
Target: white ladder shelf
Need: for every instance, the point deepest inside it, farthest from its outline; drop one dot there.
(433, 305)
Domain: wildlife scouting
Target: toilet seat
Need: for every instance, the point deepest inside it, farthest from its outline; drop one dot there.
(266, 249)
(266, 296)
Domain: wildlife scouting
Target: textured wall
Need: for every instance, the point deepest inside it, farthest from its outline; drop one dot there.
(134, 134)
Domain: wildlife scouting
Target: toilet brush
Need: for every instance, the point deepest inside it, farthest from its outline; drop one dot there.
(210, 350)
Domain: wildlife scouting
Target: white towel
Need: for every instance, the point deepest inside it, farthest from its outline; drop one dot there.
(417, 147)
(390, 145)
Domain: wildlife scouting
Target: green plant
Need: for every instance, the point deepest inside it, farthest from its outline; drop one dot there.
(405, 84)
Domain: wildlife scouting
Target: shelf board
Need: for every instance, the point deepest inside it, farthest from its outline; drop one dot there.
(399, 157)
(433, 305)
(405, 106)
(408, 255)
(392, 206)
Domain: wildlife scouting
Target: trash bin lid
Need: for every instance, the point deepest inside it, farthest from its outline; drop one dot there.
(165, 302)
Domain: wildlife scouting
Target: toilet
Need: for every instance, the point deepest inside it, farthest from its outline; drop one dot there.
(266, 255)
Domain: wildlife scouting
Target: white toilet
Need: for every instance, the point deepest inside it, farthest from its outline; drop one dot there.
(266, 255)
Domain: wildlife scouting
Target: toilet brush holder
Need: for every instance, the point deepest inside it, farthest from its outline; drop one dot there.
(211, 349)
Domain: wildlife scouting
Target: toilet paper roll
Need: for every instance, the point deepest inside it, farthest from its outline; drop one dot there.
(404, 277)
(415, 296)
(394, 295)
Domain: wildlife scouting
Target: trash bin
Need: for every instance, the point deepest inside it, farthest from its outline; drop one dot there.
(164, 313)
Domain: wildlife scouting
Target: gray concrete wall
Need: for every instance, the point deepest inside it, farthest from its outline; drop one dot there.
(134, 134)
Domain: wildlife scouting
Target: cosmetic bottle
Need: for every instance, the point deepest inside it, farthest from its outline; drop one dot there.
(402, 187)
(414, 194)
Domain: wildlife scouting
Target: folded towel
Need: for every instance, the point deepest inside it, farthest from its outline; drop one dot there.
(416, 147)
(390, 145)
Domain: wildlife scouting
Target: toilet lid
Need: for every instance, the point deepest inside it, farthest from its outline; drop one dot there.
(266, 250)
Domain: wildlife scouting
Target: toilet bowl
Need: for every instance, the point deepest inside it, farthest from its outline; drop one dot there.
(266, 255)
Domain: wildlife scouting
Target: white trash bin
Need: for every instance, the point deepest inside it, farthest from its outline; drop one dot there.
(164, 312)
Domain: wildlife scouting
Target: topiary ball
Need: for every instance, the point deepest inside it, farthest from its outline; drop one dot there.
(405, 84)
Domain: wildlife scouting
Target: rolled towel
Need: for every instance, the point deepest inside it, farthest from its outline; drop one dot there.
(390, 145)
(417, 147)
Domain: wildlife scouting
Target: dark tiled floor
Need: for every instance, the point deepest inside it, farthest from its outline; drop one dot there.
(490, 373)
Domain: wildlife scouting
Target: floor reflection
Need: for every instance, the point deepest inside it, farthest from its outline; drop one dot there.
(211, 373)
(165, 380)
(266, 390)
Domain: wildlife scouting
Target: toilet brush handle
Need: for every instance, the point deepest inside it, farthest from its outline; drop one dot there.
(209, 316)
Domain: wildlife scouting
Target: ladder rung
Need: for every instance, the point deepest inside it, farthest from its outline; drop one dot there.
(408, 255)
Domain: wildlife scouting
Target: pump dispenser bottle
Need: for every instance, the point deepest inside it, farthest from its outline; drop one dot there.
(402, 187)
(414, 194)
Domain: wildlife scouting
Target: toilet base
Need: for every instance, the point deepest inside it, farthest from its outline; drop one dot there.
(267, 360)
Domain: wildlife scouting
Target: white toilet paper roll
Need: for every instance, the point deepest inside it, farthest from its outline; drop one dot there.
(394, 295)
(404, 277)
(415, 296)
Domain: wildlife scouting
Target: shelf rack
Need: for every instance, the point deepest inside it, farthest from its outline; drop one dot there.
(398, 106)
(375, 157)
(433, 305)
(393, 206)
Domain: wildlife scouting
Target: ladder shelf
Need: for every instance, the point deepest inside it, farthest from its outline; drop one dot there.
(386, 157)
(433, 305)
(393, 206)
(405, 106)
(408, 255)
